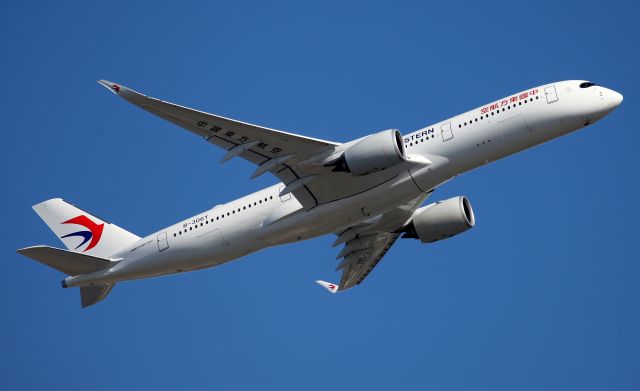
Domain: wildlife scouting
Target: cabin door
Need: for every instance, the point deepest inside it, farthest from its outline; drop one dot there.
(550, 93)
(163, 244)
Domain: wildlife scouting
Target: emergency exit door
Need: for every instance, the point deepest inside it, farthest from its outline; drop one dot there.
(163, 244)
(550, 93)
(285, 197)
(447, 133)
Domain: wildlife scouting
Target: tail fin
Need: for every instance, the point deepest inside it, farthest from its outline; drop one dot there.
(83, 232)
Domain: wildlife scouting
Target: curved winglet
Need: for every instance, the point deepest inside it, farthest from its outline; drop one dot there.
(331, 287)
(127, 93)
(113, 87)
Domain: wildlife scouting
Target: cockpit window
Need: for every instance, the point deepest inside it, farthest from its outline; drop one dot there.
(587, 84)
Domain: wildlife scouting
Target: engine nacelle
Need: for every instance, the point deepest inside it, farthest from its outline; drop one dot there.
(372, 154)
(441, 220)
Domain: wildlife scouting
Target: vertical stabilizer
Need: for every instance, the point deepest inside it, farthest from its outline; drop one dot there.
(83, 232)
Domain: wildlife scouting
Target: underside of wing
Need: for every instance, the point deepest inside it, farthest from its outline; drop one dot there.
(298, 161)
(260, 143)
(367, 243)
(272, 150)
(364, 254)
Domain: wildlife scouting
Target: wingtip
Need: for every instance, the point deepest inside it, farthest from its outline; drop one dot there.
(111, 86)
(331, 287)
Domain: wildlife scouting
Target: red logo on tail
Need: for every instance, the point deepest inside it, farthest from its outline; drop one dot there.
(94, 233)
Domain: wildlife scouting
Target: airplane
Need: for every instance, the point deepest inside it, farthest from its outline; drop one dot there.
(368, 192)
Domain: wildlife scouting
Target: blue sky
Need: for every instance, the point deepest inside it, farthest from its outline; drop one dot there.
(541, 294)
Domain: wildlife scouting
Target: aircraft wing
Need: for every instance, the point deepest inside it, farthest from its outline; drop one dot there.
(290, 157)
(367, 243)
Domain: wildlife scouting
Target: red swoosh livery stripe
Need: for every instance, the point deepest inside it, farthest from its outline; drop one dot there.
(96, 229)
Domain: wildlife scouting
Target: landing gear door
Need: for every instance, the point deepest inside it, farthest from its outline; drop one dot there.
(447, 133)
(163, 244)
(550, 93)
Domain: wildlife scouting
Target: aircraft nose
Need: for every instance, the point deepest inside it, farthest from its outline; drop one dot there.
(606, 100)
(610, 98)
(616, 98)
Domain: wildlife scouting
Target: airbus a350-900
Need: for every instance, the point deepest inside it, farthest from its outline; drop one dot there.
(367, 192)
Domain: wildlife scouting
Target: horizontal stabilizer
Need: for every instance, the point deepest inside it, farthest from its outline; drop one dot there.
(68, 262)
(90, 295)
(331, 287)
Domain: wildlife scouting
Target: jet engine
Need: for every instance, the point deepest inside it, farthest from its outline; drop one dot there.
(441, 220)
(372, 154)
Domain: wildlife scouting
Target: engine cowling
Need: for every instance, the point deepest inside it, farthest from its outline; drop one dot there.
(372, 154)
(441, 220)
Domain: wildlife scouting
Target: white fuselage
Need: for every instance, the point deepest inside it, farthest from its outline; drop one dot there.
(454, 146)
